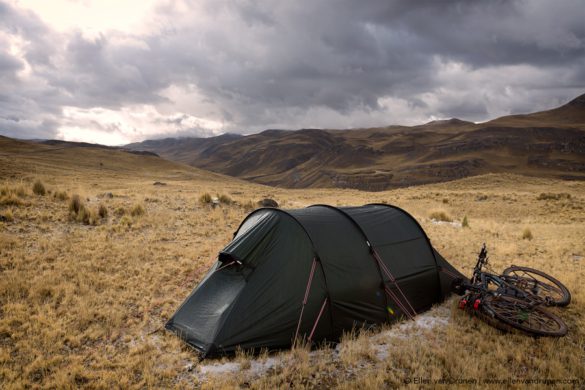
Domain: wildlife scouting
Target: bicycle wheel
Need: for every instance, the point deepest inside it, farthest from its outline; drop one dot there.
(538, 283)
(517, 314)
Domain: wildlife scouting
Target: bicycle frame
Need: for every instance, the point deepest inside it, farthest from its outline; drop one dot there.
(480, 283)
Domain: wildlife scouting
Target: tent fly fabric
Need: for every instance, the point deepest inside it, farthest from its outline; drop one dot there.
(312, 273)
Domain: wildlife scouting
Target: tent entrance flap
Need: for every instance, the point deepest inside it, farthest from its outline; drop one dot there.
(200, 316)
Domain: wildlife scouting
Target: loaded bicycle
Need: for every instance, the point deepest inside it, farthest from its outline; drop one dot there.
(514, 299)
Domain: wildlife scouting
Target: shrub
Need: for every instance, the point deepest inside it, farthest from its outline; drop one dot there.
(39, 188)
(137, 210)
(103, 211)
(465, 222)
(441, 216)
(120, 211)
(527, 234)
(205, 198)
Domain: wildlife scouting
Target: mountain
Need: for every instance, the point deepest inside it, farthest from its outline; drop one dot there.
(548, 143)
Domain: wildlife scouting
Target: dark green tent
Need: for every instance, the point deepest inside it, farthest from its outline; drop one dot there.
(312, 273)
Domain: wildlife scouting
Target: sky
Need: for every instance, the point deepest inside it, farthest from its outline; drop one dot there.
(115, 72)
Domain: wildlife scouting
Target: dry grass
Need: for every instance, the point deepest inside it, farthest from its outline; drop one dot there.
(137, 210)
(84, 305)
(440, 216)
(39, 188)
(205, 198)
(527, 234)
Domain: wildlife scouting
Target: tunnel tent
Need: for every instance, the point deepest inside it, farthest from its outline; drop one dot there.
(312, 273)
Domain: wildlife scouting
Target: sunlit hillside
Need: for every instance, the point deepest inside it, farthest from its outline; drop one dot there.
(88, 281)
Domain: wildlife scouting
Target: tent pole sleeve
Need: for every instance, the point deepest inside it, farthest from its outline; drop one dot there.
(427, 239)
(400, 305)
(307, 290)
(318, 318)
(392, 278)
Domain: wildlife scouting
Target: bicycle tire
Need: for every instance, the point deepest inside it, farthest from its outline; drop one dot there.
(565, 295)
(517, 314)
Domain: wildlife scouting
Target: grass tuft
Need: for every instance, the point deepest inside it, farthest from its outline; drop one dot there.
(527, 234)
(120, 211)
(75, 204)
(79, 212)
(7, 215)
(137, 210)
(11, 200)
(465, 222)
(39, 188)
(60, 195)
(205, 198)
(225, 199)
(103, 211)
(441, 216)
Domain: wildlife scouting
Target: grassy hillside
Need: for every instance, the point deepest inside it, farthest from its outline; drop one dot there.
(83, 302)
(544, 144)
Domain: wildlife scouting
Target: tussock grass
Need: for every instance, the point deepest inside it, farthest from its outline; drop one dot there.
(465, 222)
(7, 215)
(527, 234)
(79, 212)
(39, 188)
(103, 211)
(441, 216)
(137, 210)
(11, 200)
(225, 199)
(60, 195)
(205, 198)
(13, 195)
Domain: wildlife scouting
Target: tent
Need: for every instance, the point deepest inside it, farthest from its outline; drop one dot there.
(312, 274)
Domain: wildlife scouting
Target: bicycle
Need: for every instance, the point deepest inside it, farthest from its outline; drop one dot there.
(514, 298)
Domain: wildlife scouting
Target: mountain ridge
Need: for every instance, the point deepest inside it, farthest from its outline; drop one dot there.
(549, 143)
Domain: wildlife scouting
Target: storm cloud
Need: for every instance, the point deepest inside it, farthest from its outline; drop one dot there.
(207, 67)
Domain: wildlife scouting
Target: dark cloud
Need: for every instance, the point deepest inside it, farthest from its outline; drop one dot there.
(259, 64)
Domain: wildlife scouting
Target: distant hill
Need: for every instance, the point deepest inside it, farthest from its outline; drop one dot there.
(60, 158)
(71, 144)
(548, 144)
